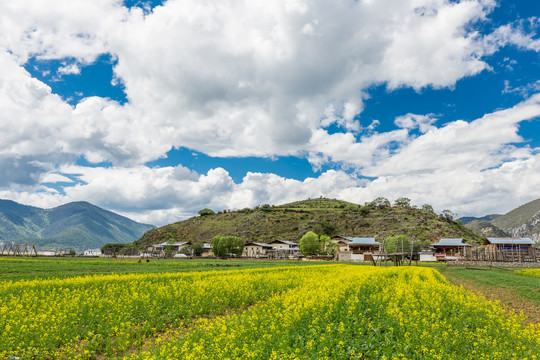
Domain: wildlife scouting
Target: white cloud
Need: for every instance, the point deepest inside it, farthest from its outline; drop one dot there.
(165, 195)
(255, 78)
(413, 121)
(56, 178)
(70, 69)
(478, 145)
(229, 78)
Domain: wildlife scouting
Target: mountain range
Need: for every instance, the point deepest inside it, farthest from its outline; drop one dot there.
(76, 225)
(523, 221)
(329, 216)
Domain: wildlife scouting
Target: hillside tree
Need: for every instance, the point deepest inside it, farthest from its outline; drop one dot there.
(402, 202)
(380, 202)
(206, 211)
(448, 215)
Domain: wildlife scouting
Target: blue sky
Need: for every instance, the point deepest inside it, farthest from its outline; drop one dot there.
(157, 109)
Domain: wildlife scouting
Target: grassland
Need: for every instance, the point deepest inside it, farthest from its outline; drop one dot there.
(513, 289)
(23, 268)
(207, 309)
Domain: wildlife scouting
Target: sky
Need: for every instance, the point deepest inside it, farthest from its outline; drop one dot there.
(157, 109)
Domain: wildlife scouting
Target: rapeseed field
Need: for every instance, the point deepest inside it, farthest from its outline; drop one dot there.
(294, 312)
(530, 272)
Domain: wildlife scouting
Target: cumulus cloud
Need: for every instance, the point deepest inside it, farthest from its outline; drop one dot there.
(413, 121)
(229, 78)
(477, 145)
(164, 195)
(255, 78)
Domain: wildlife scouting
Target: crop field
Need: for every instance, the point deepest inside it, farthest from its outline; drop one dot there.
(328, 311)
(531, 272)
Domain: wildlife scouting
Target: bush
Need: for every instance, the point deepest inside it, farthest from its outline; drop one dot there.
(226, 245)
(312, 244)
(206, 211)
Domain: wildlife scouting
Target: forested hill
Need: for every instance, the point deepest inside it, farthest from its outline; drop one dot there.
(76, 225)
(332, 217)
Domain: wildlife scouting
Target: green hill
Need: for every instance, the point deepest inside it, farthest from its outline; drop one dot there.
(486, 229)
(291, 221)
(76, 225)
(523, 221)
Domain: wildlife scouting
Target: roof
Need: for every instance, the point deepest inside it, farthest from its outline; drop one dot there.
(451, 242)
(287, 242)
(169, 244)
(363, 241)
(259, 244)
(510, 241)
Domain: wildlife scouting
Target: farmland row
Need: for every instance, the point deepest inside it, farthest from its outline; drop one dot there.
(305, 312)
(106, 314)
(361, 313)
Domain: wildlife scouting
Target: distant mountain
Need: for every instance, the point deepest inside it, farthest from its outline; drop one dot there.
(76, 225)
(523, 221)
(485, 229)
(467, 219)
(291, 221)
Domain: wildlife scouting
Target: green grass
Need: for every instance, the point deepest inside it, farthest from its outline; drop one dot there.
(15, 269)
(523, 287)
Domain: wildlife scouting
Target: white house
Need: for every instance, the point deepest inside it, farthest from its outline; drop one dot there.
(92, 252)
(257, 250)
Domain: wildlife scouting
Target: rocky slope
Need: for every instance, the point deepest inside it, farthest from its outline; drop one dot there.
(523, 221)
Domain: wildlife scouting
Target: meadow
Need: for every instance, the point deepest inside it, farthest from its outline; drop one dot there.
(250, 310)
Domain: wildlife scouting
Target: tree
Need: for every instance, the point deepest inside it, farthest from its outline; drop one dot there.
(427, 207)
(313, 244)
(309, 244)
(448, 214)
(112, 248)
(402, 242)
(402, 202)
(328, 227)
(381, 202)
(206, 211)
(226, 245)
(197, 248)
(328, 247)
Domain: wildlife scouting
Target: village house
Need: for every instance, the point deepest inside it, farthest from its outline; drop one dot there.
(343, 242)
(92, 252)
(207, 250)
(450, 249)
(284, 249)
(257, 250)
(356, 248)
(509, 245)
(159, 249)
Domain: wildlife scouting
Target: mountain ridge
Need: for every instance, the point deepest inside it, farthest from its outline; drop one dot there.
(76, 225)
(523, 221)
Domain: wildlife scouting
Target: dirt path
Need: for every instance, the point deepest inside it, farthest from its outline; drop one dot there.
(509, 300)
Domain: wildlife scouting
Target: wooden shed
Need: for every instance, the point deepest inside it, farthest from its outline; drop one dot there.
(509, 245)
